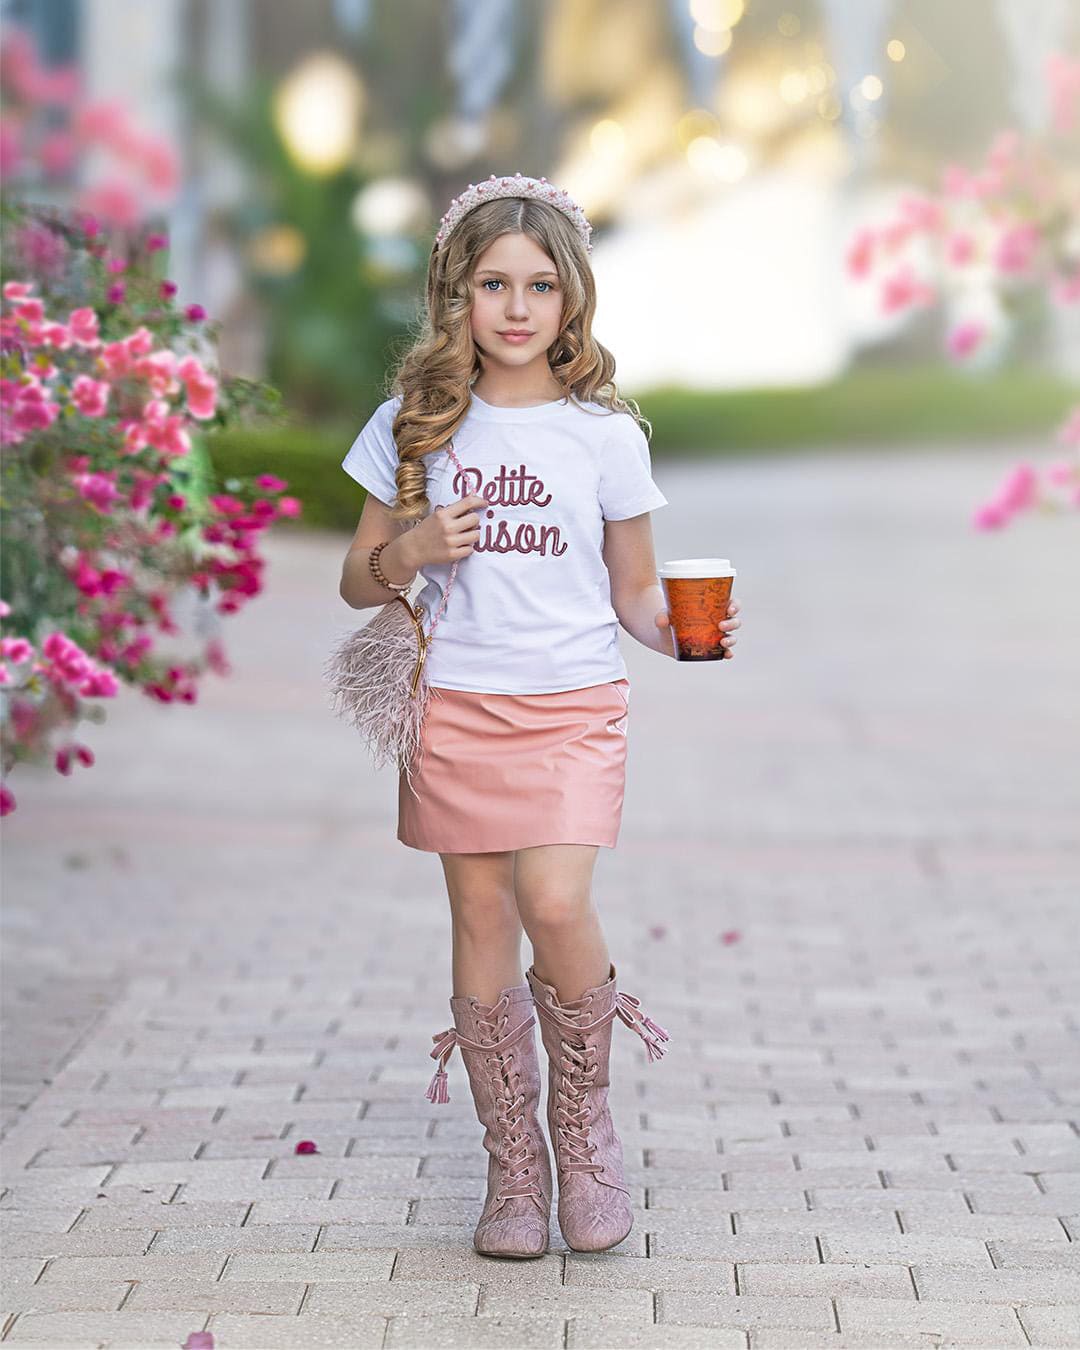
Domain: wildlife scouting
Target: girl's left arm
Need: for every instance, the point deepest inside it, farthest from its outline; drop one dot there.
(636, 595)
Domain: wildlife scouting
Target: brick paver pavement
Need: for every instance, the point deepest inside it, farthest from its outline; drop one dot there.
(864, 1130)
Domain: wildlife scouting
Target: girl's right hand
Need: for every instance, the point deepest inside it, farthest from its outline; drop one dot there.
(448, 533)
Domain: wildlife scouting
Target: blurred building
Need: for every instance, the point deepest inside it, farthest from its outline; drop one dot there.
(724, 154)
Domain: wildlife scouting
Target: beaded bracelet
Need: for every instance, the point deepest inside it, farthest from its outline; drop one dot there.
(377, 572)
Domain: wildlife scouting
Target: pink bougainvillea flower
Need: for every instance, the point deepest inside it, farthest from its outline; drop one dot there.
(32, 409)
(167, 290)
(956, 181)
(7, 800)
(90, 396)
(57, 153)
(1015, 248)
(860, 254)
(17, 290)
(924, 213)
(42, 251)
(165, 431)
(116, 292)
(270, 482)
(195, 313)
(117, 265)
(83, 324)
(30, 309)
(1069, 431)
(98, 489)
(729, 936)
(5, 609)
(1066, 290)
(159, 371)
(154, 242)
(960, 248)
(965, 338)
(289, 506)
(306, 1146)
(160, 164)
(140, 342)
(903, 290)
(1018, 490)
(16, 649)
(1061, 473)
(201, 388)
(114, 201)
(64, 754)
(991, 516)
(101, 120)
(56, 335)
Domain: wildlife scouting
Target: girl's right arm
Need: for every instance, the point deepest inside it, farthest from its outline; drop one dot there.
(447, 534)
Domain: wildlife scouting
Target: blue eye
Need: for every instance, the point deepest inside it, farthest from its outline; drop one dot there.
(497, 282)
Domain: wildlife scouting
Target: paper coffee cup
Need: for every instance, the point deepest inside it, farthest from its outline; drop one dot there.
(697, 592)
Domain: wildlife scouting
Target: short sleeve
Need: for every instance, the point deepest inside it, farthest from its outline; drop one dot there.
(373, 458)
(626, 485)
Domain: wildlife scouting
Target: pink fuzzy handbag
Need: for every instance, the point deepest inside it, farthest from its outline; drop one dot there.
(376, 676)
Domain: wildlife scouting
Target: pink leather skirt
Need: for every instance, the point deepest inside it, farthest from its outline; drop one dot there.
(508, 771)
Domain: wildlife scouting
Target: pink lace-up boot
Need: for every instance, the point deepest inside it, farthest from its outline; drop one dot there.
(499, 1049)
(594, 1200)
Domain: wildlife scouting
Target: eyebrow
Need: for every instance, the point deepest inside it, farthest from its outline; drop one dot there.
(490, 272)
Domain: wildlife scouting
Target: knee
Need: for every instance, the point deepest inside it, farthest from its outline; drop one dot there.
(486, 913)
(553, 910)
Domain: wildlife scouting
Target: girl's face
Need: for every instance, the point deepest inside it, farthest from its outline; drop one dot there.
(515, 288)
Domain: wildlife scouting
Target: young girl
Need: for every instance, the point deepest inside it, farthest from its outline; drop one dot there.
(508, 449)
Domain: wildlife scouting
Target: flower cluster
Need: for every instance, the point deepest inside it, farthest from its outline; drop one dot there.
(111, 519)
(980, 245)
(47, 128)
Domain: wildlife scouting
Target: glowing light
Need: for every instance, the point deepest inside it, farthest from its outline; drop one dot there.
(817, 77)
(608, 138)
(714, 159)
(895, 50)
(696, 122)
(751, 102)
(316, 111)
(712, 42)
(717, 14)
(388, 206)
(871, 88)
(788, 24)
(794, 86)
(866, 124)
(828, 107)
(277, 250)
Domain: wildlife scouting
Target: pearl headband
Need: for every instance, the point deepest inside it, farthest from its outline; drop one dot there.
(515, 186)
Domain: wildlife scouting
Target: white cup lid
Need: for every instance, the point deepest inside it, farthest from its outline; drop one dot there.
(697, 567)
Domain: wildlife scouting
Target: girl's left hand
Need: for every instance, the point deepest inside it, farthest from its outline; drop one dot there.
(731, 622)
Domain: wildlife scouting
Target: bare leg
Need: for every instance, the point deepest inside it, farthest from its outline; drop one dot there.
(486, 929)
(553, 885)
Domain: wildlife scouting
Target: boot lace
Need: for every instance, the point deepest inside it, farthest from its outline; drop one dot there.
(515, 1153)
(579, 1063)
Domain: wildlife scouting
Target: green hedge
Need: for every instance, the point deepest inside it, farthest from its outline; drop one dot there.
(869, 407)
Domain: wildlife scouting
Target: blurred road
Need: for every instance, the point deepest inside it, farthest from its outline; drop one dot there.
(864, 1132)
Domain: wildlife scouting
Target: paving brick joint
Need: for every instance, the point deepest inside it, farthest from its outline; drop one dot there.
(865, 1129)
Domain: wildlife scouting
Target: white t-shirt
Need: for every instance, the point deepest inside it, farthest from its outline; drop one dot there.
(530, 611)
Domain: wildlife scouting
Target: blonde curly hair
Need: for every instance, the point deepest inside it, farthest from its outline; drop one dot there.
(435, 374)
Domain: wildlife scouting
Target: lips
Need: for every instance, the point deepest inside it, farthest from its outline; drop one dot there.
(514, 332)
